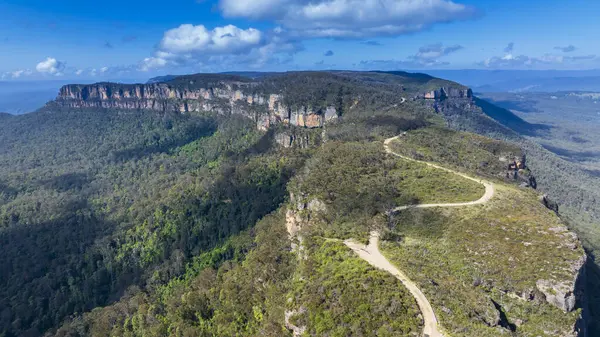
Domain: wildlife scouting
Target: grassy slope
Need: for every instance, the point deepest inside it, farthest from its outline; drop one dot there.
(462, 275)
(430, 185)
(459, 150)
(359, 182)
(575, 189)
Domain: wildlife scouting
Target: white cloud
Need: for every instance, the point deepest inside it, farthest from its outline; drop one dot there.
(349, 18)
(78, 72)
(16, 74)
(426, 57)
(393, 64)
(435, 51)
(255, 9)
(511, 61)
(51, 66)
(20, 73)
(193, 39)
(189, 45)
(581, 57)
(152, 62)
(567, 49)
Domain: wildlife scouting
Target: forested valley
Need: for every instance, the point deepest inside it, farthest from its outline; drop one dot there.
(99, 205)
(118, 222)
(94, 203)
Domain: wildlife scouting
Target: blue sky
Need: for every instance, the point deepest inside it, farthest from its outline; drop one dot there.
(42, 39)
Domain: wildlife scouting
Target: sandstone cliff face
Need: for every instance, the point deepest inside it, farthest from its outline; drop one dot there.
(234, 98)
(298, 216)
(443, 93)
(300, 212)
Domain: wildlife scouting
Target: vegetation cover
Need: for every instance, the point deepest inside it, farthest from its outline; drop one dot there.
(471, 261)
(94, 202)
(139, 223)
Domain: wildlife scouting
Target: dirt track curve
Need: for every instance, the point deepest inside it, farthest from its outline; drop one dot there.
(371, 253)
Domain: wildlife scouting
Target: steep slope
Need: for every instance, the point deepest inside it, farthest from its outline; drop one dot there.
(156, 209)
(575, 190)
(491, 285)
(561, 290)
(93, 203)
(302, 99)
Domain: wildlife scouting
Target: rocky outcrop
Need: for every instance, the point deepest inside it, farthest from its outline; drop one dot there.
(549, 204)
(299, 138)
(561, 295)
(222, 97)
(297, 331)
(517, 170)
(300, 213)
(447, 92)
(288, 139)
(565, 294)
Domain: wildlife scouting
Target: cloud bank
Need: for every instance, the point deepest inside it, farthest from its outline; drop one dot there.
(224, 46)
(511, 61)
(430, 54)
(349, 18)
(567, 49)
(426, 57)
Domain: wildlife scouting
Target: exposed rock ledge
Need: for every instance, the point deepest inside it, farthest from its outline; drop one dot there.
(443, 93)
(299, 215)
(230, 97)
(565, 294)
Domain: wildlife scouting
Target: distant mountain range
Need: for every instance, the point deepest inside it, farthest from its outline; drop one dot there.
(523, 80)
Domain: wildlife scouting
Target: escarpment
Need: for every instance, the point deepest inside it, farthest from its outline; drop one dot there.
(347, 187)
(447, 92)
(306, 100)
(223, 97)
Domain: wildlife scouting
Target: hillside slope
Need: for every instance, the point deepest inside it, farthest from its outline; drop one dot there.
(574, 189)
(162, 209)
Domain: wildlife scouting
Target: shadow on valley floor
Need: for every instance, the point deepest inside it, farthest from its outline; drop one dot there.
(67, 182)
(572, 155)
(43, 275)
(522, 106)
(595, 173)
(7, 191)
(512, 121)
(158, 145)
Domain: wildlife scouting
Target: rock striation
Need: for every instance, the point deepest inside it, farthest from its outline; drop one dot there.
(306, 100)
(266, 109)
(447, 92)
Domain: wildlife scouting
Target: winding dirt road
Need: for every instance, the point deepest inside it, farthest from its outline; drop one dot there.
(373, 256)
